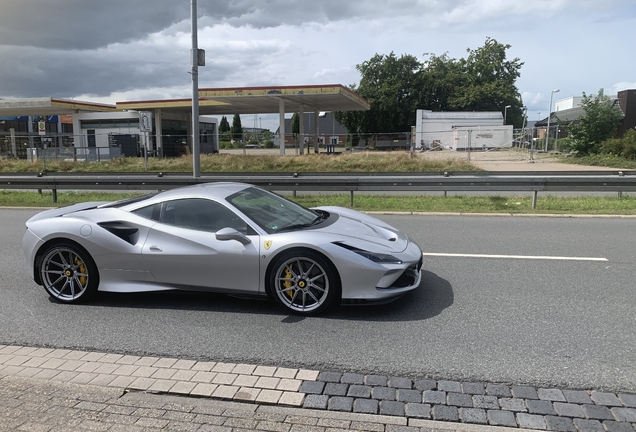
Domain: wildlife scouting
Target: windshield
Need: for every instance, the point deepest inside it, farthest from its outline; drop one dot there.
(271, 212)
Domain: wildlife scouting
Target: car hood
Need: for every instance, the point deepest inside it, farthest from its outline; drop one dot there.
(354, 225)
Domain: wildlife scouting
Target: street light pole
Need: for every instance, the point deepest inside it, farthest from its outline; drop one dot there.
(196, 161)
(547, 132)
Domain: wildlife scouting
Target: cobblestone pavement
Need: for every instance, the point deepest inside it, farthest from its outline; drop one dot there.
(57, 389)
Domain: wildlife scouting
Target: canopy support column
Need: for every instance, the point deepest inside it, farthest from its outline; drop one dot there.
(316, 131)
(281, 127)
(78, 136)
(301, 128)
(159, 132)
(189, 131)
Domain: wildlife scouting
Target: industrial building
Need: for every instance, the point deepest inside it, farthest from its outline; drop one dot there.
(459, 130)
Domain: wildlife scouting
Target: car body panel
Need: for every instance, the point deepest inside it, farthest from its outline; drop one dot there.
(184, 257)
(135, 253)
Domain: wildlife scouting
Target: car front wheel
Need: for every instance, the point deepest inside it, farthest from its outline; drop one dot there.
(68, 273)
(304, 282)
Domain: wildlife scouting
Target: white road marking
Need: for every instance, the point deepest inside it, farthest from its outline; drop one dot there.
(530, 257)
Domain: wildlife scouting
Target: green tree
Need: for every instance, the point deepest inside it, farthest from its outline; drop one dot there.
(224, 126)
(488, 82)
(396, 87)
(391, 85)
(442, 78)
(295, 124)
(599, 123)
(237, 129)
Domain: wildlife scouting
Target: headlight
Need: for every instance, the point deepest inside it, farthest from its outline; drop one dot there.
(375, 257)
(378, 257)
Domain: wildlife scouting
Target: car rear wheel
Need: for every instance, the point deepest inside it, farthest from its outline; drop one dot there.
(304, 282)
(68, 273)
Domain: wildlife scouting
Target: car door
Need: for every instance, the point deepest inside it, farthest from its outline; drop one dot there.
(182, 249)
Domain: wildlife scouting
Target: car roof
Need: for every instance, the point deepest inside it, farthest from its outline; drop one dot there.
(218, 191)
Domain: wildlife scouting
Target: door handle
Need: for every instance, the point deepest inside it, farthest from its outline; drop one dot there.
(154, 248)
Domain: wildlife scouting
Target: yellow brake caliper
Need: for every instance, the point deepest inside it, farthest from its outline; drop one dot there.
(82, 269)
(288, 284)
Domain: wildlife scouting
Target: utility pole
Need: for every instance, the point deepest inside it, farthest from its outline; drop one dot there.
(196, 150)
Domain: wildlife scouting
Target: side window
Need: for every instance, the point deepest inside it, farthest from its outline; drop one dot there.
(201, 214)
(149, 212)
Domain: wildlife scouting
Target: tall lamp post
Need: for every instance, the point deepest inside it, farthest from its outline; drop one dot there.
(506, 114)
(547, 132)
(196, 150)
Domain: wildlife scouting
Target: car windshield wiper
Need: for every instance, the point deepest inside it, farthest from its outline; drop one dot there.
(294, 226)
(319, 218)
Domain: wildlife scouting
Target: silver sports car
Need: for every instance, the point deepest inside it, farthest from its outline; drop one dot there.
(224, 237)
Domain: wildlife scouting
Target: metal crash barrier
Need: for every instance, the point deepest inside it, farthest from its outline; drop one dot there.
(600, 181)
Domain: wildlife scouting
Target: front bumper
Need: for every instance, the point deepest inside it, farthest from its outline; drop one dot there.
(30, 246)
(380, 283)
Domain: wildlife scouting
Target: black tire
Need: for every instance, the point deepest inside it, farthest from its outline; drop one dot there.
(304, 282)
(68, 273)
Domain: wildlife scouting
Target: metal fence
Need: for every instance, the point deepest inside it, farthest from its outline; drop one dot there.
(535, 182)
(98, 146)
(116, 144)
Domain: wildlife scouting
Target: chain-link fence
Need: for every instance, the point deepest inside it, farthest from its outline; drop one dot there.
(495, 143)
(97, 147)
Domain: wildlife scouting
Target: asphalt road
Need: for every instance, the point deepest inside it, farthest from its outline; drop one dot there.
(543, 322)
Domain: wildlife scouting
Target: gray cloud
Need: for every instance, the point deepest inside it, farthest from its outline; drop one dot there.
(85, 24)
(96, 48)
(89, 24)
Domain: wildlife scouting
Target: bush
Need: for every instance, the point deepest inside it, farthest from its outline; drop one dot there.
(565, 145)
(624, 147)
(269, 144)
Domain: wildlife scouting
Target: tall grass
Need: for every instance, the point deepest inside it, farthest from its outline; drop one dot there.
(355, 162)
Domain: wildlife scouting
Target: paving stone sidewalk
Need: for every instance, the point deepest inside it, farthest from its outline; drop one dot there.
(407, 403)
(28, 404)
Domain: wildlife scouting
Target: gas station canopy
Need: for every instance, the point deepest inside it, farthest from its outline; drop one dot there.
(259, 100)
(49, 106)
(212, 101)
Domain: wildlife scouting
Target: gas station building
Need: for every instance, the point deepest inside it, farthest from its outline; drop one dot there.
(113, 130)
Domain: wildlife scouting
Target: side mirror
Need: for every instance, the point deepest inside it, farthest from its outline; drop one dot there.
(225, 234)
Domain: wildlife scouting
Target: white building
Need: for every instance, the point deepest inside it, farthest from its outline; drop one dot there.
(114, 134)
(454, 130)
(568, 103)
(571, 102)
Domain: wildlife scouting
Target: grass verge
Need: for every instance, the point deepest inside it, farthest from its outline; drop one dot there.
(220, 163)
(546, 204)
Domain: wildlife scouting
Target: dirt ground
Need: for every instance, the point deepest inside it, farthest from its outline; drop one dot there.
(511, 160)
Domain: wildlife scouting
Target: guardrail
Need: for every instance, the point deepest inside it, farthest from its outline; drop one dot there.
(604, 181)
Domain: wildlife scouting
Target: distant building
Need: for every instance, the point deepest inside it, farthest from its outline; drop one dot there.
(452, 129)
(568, 103)
(118, 133)
(104, 135)
(329, 130)
(571, 111)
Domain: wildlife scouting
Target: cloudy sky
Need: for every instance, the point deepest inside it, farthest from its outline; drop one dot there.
(118, 50)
